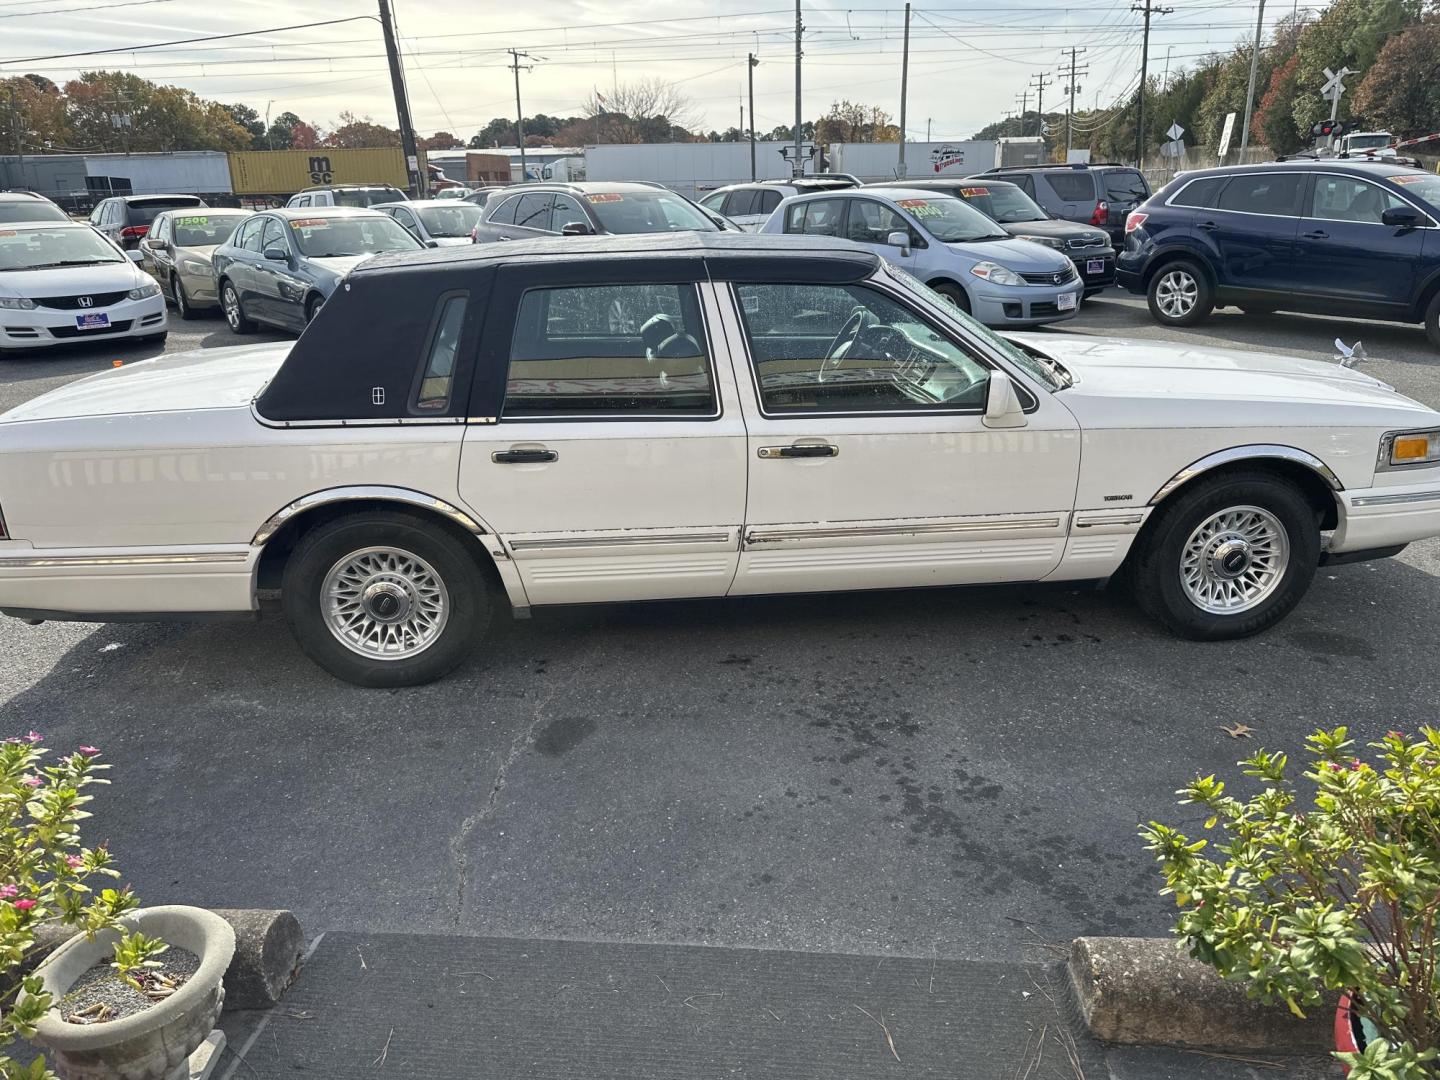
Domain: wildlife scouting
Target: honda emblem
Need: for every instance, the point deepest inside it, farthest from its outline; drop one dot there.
(85, 301)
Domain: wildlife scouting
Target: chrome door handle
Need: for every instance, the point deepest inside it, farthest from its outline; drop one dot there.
(524, 456)
(1208, 226)
(799, 450)
(1318, 234)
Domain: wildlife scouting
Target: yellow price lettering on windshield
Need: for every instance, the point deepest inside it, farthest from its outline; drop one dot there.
(606, 197)
(310, 223)
(192, 221)
(974, 192)
(922, 208)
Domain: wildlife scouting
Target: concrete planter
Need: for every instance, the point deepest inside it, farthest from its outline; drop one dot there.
(150, 1045)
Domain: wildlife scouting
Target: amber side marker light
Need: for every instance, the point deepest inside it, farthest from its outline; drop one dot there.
(1413, 448)
(117, 363)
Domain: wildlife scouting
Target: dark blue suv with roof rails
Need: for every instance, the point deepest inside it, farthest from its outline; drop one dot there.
(1332, 237)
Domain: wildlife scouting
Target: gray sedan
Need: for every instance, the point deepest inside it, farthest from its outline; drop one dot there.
(282, 265)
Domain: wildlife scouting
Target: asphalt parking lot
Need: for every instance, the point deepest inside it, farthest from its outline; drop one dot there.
(954, 773)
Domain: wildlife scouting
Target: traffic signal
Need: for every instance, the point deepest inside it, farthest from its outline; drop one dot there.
(1329, 129)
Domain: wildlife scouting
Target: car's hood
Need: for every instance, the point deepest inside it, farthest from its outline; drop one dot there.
(71, 280)
(1060, 230)
(1022, 256)
(180, 382)
(449, 241)
(1132, 368)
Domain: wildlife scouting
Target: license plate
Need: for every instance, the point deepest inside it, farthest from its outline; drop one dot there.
(1065, 301)
(1095, 266)
(94, 321)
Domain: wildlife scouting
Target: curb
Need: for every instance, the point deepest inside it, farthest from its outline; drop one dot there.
(1146, 991)
(269, 946)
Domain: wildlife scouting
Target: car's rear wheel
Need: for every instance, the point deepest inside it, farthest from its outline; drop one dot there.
(385, 599)
(1179, 294)
(1227, 557)
(183, 307)
(234, 313)
(1432, 320)
(955, 294)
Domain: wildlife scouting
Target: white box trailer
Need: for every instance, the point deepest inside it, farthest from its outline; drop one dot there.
(692, 169)
(923, 160)
(186, 172)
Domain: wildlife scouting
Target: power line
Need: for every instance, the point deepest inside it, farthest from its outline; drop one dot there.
(66, 11)
(184, 41)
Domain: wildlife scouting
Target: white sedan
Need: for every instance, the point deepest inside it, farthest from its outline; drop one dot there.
(638, 418)
(62, 282)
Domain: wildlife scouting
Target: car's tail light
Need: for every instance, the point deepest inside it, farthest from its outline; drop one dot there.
(475, 235)
(1101, 214)
(1134, 220)
(135, 230)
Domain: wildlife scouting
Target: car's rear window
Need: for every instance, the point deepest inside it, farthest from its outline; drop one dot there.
(30, 210)
(367, 196)
(143, 213)
(1072, 186)
(1126, 186)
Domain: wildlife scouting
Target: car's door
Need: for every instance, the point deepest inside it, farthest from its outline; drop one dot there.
(245, 273)
(154, 256)
(610, 454)
(1346, 254)
(566, 210)
(870, 462)
(1253, 226)
(286, 285)
(870, 223)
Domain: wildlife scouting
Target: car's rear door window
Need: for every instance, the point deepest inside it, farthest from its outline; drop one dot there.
(1073, 187)
(741, 202)
(819, 217)
(504, 214)
(534, 210)
(767, 202)
(1276, 194)
(609, 351)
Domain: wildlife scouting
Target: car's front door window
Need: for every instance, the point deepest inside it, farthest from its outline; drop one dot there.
(851, 349)
(1346, 198)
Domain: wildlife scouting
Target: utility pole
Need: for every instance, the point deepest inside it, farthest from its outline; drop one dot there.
(402, 103)
(1071, 89)
(1041, 82)
(1250, 87)
(750, 72)
(799, 166)
(1149, 9)
(515, 66)
(904, 86)
(927, 129)
(1024, 108)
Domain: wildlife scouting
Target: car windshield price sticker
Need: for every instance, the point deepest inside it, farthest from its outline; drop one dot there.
(922, 208)
(192, 221)
(1411, 178)
(7, 232)
(974, 192)
(310, 223)
(611, 197)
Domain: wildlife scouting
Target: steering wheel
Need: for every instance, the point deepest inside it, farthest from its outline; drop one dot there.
(859, 319)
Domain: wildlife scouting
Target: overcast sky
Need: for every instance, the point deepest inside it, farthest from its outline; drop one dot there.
(969, 61)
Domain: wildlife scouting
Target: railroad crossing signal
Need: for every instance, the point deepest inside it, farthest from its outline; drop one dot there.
(1334, 88)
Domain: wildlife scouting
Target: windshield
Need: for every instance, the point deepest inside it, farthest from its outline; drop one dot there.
(335, 237)
(143, 213)
(1004, 203)
(1421, 185)
(42, 249)
(205, 230)
(950, 221)
(647, 212)
(1364, 142)
(1045, 372)
(31, 210)
(447, 221)
(368, 196)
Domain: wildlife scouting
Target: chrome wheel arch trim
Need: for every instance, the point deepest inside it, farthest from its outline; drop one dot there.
(370, 493)
(1258, 452)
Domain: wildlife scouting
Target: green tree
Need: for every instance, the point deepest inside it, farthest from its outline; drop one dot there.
(1401, 91)
(1350, 33)
(851, 122)
(278, 136)
(250, 120)
(360, 132)
(39, 120)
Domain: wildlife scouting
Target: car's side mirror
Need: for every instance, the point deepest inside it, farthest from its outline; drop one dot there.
(135, 255)
(575, 228)
(1402, 217)
(276, 254)
(1002, 404)
(160, 245)
(899, 239)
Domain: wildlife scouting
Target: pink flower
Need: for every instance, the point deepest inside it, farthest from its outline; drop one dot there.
(32, 781)
(89, 751)
(24, 905)
(1394, 735)
(1356, 765)
(34, 737)
(7, 892)
(74, 861)
(1333, 767)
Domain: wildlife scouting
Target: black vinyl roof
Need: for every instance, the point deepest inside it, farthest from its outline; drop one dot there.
(724, 256)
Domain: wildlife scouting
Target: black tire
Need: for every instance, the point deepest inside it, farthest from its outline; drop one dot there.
(468, 601)
(312, 308)
(1432, 320)
(955, 294)
(1155, 571)
(1179, 294)
(235, 316)
(183, 307)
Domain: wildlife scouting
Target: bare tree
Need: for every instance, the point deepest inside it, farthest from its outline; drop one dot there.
(647, 110)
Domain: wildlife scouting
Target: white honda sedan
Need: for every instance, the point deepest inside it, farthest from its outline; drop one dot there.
(62, 282)
(623, 418)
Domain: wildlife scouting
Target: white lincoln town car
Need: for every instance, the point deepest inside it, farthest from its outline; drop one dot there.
(697, 415)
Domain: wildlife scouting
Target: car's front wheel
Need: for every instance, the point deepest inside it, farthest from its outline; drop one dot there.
(312, 308)
(1432, 320)
(955, 294)
(385, 599)
(234, 313)
(183, 307)
(1179, 294)
(1227, 557)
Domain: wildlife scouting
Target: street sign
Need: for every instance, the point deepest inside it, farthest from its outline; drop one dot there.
(1334, 88)
(1175, 148)
(1225, 133)
(1174, 132)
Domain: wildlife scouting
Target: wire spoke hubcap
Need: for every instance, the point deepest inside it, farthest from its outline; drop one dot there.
(1176, 294)
(385, 603)
(1234, 560)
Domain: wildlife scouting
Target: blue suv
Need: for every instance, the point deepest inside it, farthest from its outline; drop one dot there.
(1333, 237)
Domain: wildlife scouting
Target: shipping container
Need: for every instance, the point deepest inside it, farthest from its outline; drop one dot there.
(928, 160)
(693, 169)
(284, 172)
